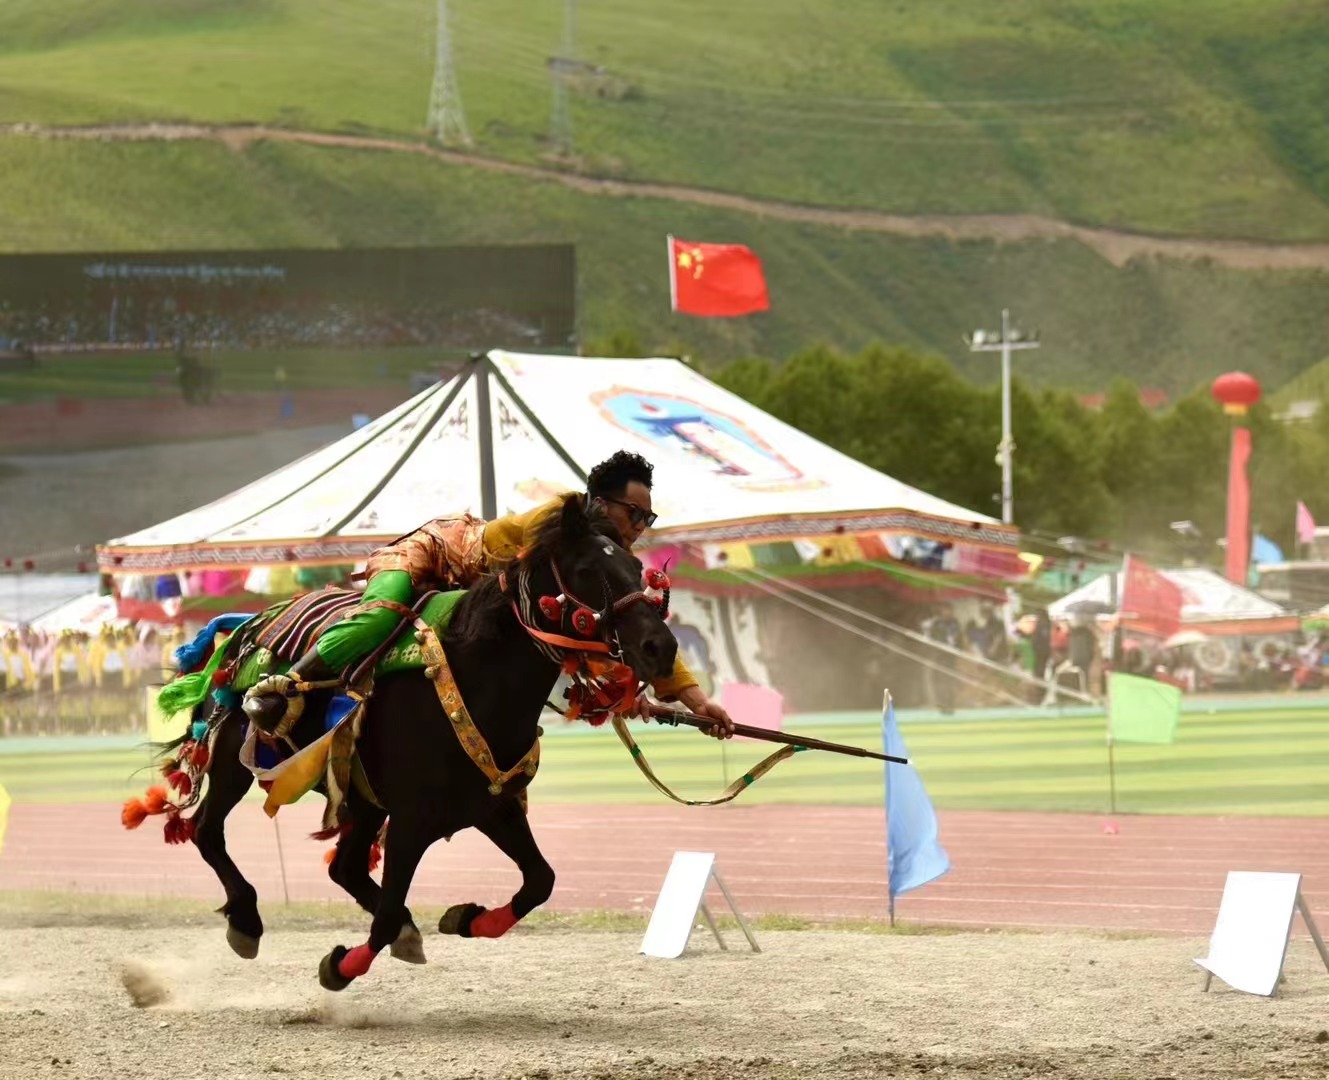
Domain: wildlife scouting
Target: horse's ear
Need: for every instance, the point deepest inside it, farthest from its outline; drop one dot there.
(574, 525)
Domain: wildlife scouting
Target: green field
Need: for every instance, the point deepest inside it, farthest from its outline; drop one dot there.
(1159, 115)
(1269, 762)
(1163, 323)
(1164, 116)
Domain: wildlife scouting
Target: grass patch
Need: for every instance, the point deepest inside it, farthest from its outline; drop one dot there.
(1148, 115)
(846, 288)
(1151, 114)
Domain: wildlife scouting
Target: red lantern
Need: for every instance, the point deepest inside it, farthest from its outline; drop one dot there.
(1237, 391)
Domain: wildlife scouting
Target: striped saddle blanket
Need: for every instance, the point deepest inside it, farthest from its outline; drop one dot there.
(294, 629)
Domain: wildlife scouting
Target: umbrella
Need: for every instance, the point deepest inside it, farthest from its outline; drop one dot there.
(1090, 607)
(1185, 637)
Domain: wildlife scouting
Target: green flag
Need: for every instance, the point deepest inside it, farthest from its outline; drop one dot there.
(1142, 710)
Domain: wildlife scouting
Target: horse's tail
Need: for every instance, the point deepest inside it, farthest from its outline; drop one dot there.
(191, 688)
(184, 760)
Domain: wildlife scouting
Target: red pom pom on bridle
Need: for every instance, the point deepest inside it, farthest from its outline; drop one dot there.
(584, 621)
(657, 578)
(551, 607)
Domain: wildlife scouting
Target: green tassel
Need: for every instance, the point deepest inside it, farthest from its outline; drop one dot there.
(186, 691)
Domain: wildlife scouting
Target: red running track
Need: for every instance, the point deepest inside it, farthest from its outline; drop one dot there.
(1162, 874)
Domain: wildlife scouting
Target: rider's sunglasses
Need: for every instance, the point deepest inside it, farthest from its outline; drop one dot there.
(636, 514)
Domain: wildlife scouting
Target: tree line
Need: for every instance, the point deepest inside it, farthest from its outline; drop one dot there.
(1120, 473)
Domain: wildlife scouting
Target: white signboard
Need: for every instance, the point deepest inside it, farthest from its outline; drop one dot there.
(682, 896)
(1250, 937)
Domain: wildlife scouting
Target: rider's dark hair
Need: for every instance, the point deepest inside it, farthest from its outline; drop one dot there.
(612, 476)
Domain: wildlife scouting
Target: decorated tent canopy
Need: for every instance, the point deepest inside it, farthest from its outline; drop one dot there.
(1210, 604)
(512, 430)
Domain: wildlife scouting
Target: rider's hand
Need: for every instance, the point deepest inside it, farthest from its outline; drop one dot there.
(697, 702)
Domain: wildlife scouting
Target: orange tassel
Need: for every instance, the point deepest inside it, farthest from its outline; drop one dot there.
(329, 855)
(154, 801)
(133, 813)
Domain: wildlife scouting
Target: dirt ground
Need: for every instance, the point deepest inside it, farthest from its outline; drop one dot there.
(583, 1004)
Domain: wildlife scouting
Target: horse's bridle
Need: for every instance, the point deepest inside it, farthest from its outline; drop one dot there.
(597, 630)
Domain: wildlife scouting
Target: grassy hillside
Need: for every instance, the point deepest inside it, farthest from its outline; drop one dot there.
(1159, 115)
(1154, 115)
(1166, 323)
(1225, 763)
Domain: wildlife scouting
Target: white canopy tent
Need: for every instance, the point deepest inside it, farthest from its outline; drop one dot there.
(1210, 603)
(514, 429)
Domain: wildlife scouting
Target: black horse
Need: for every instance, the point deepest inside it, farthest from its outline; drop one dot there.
(416, 766)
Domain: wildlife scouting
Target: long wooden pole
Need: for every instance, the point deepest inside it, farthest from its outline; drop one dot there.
(663, 714)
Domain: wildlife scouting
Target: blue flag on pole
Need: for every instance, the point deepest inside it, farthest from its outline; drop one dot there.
(914, 857)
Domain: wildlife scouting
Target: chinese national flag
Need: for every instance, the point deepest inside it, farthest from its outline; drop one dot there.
(1149, 601)
(715, 279)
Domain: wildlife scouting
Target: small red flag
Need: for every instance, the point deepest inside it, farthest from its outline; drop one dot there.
(1149, 601)
(715, 279)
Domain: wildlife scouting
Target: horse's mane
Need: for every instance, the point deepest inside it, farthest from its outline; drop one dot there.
(480, 614)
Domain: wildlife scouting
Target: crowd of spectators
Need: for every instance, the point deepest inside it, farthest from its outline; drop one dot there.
(160, 321)
(1073, 654)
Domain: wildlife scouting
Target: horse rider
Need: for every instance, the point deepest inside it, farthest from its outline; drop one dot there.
(452, 553)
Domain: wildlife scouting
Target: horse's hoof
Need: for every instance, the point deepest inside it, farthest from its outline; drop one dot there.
(241, 944)
(329, 970)
(457, 919)
(409, 946)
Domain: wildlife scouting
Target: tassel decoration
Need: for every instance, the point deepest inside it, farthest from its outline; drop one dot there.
(199, 756)
(375, 856)
(154, 801)
(336, 832)
(181, 782)
(178, 829)
(133, 813)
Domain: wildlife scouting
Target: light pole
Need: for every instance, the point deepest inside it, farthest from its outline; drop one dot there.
(1005, 341)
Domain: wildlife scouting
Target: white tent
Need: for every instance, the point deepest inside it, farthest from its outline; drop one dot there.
(514, 429)
(1209, 602)
(89, 613)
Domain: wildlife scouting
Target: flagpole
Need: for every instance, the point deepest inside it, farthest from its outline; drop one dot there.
(1115, 601)
(886, 804)
(673, 281)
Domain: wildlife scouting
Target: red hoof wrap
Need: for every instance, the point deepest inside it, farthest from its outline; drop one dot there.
(356, 962)
(493, 923)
